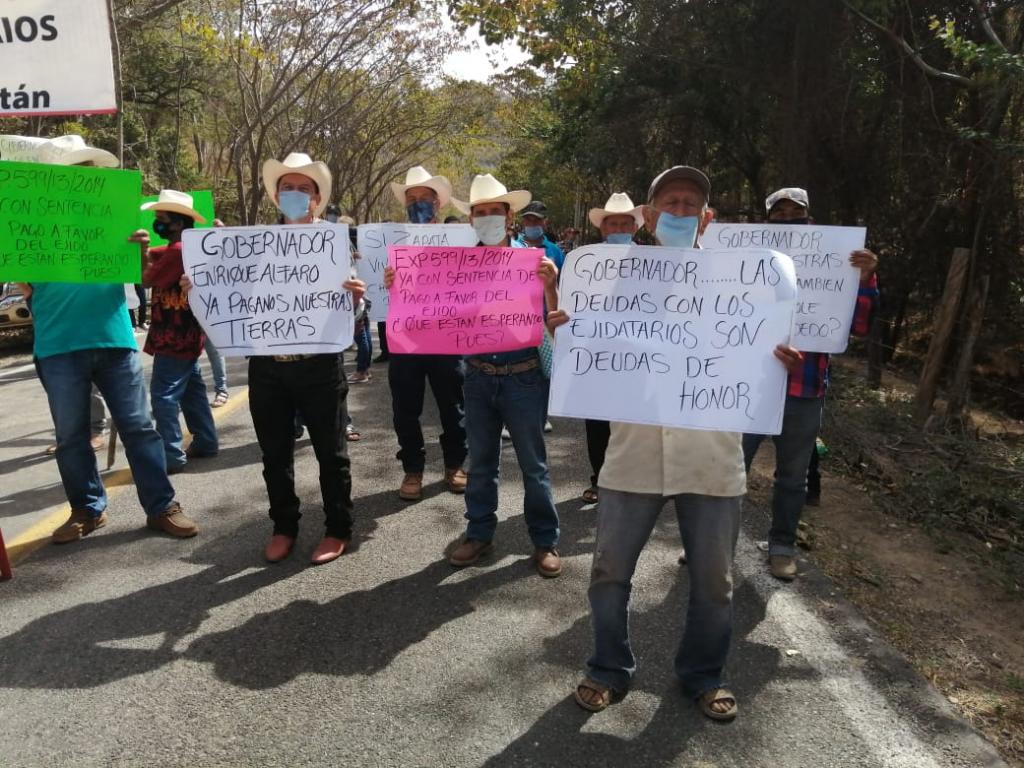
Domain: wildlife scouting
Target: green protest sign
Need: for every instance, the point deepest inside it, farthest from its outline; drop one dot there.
(202, 201)
(68, 224)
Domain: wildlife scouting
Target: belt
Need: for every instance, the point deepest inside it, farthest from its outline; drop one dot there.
(504, 370)
(290, 358)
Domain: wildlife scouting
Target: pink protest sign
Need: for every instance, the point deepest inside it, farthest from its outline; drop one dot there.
(464, 301)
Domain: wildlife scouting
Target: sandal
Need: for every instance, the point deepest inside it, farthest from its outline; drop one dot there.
(219, 400)
(603, 698)
(708, 699)
(352, 434)
(590, 495)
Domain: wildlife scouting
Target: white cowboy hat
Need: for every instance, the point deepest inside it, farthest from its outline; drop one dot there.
(420, 177)
(172, 201)
(21, 149)
(299, 162)
(72, 150)
(487, 189)
(618, 204)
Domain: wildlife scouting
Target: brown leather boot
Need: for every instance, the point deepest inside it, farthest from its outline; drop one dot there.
(412, 487)
(81, 523)
(549, 564)
(173, 521)
(456, 480)
(469, 552)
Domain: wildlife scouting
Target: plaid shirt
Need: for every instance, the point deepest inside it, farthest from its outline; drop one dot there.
(812, 379)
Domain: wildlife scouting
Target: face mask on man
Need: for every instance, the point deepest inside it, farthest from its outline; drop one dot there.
(533, 232)
(162, 228)
(421, 212)
(804, 220)
(332, 217)
(676, 231)
(294, 204)
(620, 238)
(489, 229)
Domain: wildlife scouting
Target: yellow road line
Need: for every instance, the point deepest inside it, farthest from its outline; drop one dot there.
(38, 534)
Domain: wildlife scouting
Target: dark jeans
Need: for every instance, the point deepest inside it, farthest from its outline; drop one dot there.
(407, 377)
(814, 474)
(141, 293)
(364, 346)
(382, 337)
(314, 388)
(598, 435)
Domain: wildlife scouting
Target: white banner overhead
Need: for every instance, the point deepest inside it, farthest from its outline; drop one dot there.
(55, 58)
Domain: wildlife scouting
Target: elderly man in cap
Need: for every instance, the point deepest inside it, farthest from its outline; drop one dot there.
(805, 400)
(83, 336)
(424, 196)
(646, 466)
(617, 222)
(534, 220)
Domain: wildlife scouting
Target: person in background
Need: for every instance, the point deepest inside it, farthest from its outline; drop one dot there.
(139, 315)
(617, 222)
(805, 400)
(219, 373)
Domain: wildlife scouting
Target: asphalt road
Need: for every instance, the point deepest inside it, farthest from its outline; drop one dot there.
(130, 649)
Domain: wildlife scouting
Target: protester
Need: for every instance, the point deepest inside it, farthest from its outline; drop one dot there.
(805, 401)
(646, 466)
(424, 196)
(534, 220)
(83, 337)
(97, 423)
(618, 222)
(175, 338)
(507, 388)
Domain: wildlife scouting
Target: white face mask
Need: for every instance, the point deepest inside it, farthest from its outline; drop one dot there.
(490, 229)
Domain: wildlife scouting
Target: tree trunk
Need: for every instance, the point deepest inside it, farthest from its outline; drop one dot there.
(960, 392)
(945, 319)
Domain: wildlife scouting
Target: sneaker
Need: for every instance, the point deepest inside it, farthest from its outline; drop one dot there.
(469, 552)
(359, 377)
(173, 521)
(412, 487)
(782, 567)
(456, 480)
(81, 523)
(549, 564)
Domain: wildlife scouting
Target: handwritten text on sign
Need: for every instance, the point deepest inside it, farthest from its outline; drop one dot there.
(68, 224)
(826, 282)
(373, 241)
(271, 290)
(675, 337)
(465, 301)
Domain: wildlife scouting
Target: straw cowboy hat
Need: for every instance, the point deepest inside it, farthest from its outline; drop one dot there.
(72, 150)
(172, 201)
(420, 177)
(299, 162)
(487, 189)
(618, 204)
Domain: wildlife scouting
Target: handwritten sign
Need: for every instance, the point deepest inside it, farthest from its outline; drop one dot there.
(271, 290)
(372, 241)
(55, 58)
(21, 149)
(826, 282)
(202, 201)
(675, 337)
(465, 301)
(68, 224)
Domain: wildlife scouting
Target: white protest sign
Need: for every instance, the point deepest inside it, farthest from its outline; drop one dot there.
(826, 282)
(271, 290)
(372, 241)
(676, 337)
(55, 58)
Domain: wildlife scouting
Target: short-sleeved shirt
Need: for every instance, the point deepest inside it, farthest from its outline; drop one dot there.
(173, 329)
(70, 317)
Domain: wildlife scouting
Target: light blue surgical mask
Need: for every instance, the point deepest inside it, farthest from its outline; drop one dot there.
(533, 233)
(293, 204)
(676, 231)
(421, 212)
(619, 238)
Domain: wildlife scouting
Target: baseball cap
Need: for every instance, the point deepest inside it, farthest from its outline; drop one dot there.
(680, 173)
(536, 208)
(796, 194)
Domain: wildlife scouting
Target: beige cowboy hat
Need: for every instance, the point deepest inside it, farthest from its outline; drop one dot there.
(618, 204)
(420, 177)
(72, 150)
(299, 162)
(21, 149)
(173, 201)
(487, 189)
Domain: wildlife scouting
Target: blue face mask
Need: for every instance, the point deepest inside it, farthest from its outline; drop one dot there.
(533, 233)
(293, 204)
(620, 238)
(420, 212)
(676, 231)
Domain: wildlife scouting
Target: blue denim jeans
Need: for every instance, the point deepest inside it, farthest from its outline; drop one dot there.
(709, 526)
(801, 421)
(364, 346)
(68, 380)
(518, 402)
(177, 385)
(217, 370)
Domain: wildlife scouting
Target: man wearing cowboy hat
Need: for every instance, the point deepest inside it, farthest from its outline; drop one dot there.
(424, 196)
(312, 386)
(646, 466)
(508, 389)
(175, 338)
(83, 336)
(618, 222)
